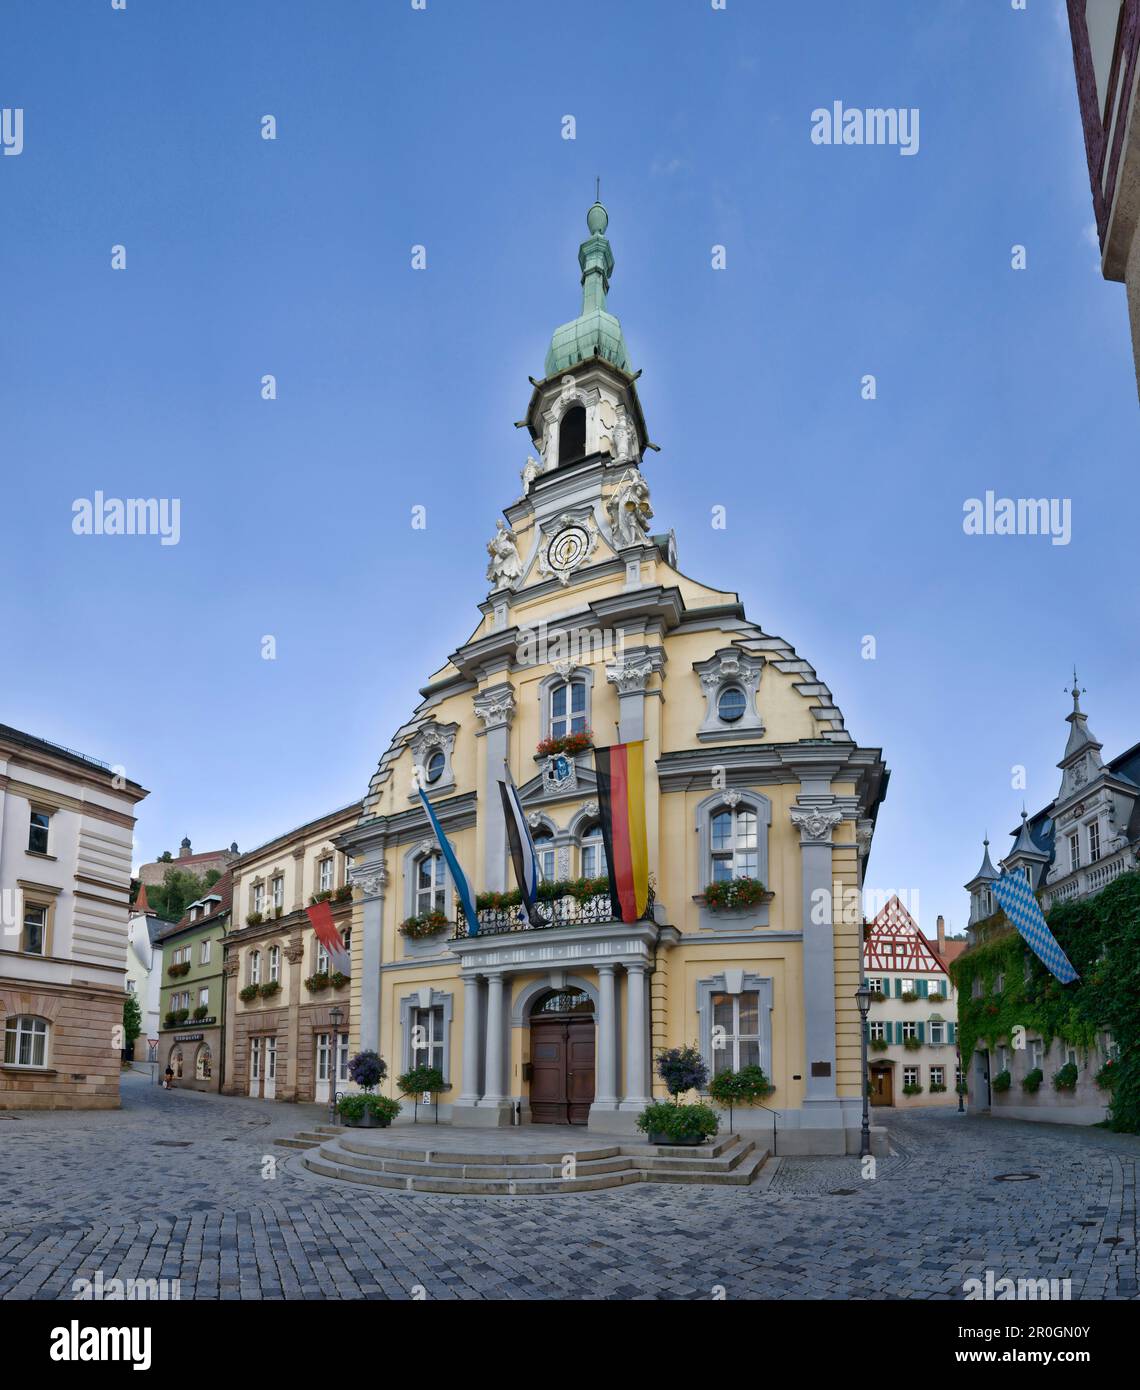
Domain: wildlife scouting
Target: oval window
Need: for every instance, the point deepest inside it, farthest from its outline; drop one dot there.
(731, 705)
(435, 767)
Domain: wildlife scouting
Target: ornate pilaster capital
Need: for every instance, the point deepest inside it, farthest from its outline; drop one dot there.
(371, 879)
(815, 823)
(294, 951)
(863, 832)
(230, 966)
(495, 707)
(631, 673)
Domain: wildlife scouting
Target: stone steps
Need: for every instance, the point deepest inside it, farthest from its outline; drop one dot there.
(351, 1158)
(309, 1139)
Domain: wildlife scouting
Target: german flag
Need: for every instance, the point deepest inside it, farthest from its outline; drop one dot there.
(621, 800)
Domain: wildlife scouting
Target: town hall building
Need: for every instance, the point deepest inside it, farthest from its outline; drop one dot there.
(589, 633)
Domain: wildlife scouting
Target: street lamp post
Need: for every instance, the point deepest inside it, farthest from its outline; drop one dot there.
(335, 1016)
(863, 1000)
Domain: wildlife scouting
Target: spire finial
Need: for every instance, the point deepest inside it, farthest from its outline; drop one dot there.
(1076, 692)
(598, 189)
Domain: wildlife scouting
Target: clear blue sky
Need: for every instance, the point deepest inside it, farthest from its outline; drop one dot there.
(399, 388)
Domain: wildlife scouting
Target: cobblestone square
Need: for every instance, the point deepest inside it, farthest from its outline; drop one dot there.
(189, 1187)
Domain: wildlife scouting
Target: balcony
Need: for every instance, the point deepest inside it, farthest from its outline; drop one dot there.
(1089, 879)
(595, 909)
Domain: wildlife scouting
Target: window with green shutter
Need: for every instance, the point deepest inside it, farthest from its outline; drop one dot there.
(923, 989)
(922, 1032)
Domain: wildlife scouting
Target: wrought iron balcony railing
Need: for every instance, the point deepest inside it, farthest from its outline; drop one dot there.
(567, 911)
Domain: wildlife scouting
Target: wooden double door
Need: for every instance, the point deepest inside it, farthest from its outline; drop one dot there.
(562, 1070)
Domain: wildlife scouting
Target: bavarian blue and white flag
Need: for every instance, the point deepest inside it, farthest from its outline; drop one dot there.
(458, 877)
(521, 843)
(1017, 900)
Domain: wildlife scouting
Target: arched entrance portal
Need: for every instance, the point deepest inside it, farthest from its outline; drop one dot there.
(562, 1058)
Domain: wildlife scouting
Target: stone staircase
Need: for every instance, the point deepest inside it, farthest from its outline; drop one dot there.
(310, 1138)
(347, 1156)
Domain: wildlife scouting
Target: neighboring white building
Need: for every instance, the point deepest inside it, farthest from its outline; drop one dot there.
(66, 826)
(144, 971)
(912, 1027)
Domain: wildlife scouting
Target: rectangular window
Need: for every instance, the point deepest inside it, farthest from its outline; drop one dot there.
(270, 1059)
(204, 954)
(907, 986)
(204, 997)
(1094, 842)
(1036, 1053)
(275, 963)
(937, 1076)
(1074, 851)
(25, 1042)
(878, 1031)
(1002, 1060)
(278, 893)
(875, 985)
(427, 1037)
(325, 876)
(259, 897)
(132, 986)
(342, 1057)
(1029, 874)
(735, 1031)
(936, 1031)
(255, 1059)
(910, 1076)
(910, 1030)
(35, 930)
(322, 1056)
(38, 832)
(255, 968)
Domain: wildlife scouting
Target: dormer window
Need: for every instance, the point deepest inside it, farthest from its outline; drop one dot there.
(572, 435)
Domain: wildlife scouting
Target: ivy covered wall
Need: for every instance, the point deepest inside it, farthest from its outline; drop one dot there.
(1101, 936)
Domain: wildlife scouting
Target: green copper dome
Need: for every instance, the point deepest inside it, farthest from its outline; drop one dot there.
(595, 332)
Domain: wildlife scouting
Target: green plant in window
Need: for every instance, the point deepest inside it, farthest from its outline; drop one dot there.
(1032, 1080)
(1002, 1081)
(1066, 1078)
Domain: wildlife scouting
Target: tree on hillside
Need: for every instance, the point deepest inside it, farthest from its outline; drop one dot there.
(178, 889)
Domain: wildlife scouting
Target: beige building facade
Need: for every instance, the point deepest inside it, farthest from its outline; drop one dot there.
(66, 824)
(590, 633)
(288, 1014)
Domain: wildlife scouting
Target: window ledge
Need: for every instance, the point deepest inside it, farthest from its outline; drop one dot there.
(42, 854)
(17, 1070)
(731, 912)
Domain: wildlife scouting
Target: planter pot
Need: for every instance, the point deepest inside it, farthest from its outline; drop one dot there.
(691, 1141)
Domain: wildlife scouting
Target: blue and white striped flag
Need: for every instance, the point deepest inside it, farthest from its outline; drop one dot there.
(1013, 892)
(458, 877)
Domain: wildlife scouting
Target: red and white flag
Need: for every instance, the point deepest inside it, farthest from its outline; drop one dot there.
(320, 914)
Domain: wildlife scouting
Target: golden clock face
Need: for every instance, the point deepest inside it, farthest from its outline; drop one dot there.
(568, 548)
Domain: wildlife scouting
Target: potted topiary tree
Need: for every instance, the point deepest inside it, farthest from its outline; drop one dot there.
(669, 1122)
(367, 1069)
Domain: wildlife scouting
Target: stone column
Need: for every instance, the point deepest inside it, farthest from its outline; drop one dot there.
(494, 1077)
(470, 1063)
(371, 877)
(815, 824)
(495, 706)
(636, 1039)
(606, 1097)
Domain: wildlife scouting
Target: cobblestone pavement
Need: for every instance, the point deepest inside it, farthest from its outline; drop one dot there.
(178, 1186)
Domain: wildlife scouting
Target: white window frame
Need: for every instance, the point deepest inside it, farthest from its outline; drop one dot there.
(15, 1031)
(911, 1076)
(734, 1038)
(425, 898)
(1074, 851)
(1094, 841)
(204, 953)
(937, 1076)
(909, 1030)
(545, 853)
(592, 842)
(732, 852)
(571, 721)
(259, 898)
(34, 817)
(274, 964)
(939, 1028)
(255, 967)
(204, 996)
(271, 1059)
(325, 875)
(875, 985)
(278, 892)
(42, 927)
(878, 1031)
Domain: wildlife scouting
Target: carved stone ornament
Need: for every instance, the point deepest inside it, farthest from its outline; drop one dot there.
(815, 823)
(505, 569)
(590, 808)
(630, 674)
(530, 472)
(863, 832)
(495, 707)
(731, 798)
(629, 510)
(371, 879)
(560, 774)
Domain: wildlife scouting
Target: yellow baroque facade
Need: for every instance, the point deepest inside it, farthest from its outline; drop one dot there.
(590, 628)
